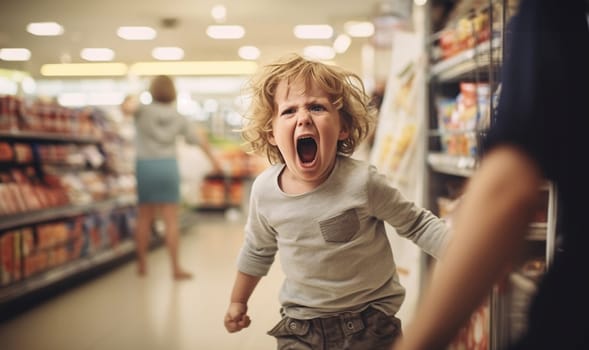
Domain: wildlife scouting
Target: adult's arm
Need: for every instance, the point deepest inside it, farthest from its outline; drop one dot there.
(488, 230)
(205, 146)
(197, 136)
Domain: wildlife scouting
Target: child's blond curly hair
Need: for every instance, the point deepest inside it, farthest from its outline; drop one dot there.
(345, 90)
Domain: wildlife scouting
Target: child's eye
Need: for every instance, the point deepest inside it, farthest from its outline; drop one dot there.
(316, 108)
(287, 111)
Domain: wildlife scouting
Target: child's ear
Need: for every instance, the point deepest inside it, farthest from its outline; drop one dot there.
(271, 139)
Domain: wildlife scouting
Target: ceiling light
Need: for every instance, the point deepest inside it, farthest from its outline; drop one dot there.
(225, 31)
(45, 28)
(136, 33)
(84, 69)
(15, 54)
(170, 53)
(194, 68)
(342, 43)
(319, 31)
(359, 29)
(319, 52)
(219, 13)
(249, 52)
(420, 2)
(97, 54)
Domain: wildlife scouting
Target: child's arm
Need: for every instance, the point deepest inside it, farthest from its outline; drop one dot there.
(410, 221)
(236, 318)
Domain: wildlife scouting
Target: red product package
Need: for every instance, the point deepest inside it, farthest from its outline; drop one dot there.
(16, 256)
(9, 106)
(6, 250)
(6, 152)
(23, 152)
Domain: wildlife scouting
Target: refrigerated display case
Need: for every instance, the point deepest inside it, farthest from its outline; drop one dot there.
(465, 57)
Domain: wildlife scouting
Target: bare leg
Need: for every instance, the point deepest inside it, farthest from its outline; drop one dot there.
(145, 218)
(170, 217)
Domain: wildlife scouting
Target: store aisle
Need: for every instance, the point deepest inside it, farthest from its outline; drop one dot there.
(120, 310)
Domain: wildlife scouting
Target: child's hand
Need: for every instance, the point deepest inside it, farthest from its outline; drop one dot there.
(236, 318)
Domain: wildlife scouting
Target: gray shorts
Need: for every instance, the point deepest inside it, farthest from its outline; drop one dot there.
(369, 329)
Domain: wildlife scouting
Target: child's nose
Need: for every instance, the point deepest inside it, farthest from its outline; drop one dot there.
(304, 118)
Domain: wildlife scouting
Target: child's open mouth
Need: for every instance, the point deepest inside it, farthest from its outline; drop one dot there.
(307, 149)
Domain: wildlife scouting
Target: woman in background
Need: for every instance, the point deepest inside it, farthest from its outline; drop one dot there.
(158, 125)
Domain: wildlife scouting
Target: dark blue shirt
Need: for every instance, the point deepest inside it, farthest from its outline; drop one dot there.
(544, 109)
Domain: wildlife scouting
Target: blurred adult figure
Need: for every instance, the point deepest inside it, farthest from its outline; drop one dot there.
(540, 132)
(158, 126)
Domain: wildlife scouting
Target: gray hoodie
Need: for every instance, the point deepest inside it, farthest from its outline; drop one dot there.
(157, 127)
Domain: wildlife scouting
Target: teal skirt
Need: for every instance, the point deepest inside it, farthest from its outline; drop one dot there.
(158, 180)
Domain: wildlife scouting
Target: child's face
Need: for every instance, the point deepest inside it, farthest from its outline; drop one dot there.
(306, 130)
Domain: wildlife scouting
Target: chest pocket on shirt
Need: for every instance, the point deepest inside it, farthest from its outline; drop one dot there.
(341, 228)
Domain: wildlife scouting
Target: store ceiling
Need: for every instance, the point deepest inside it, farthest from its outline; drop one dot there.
(268, 25)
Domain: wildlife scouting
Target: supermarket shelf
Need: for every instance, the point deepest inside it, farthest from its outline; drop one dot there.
(68, 270)
(7, 165)
(31, 217)
(47, 136)
(438, 133)
(16, 295)
(523, 283)
(537, 231)
(466, 62)
(452, 165)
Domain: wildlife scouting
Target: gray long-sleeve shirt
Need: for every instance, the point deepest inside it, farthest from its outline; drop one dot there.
(157, 127)
(333, 246)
